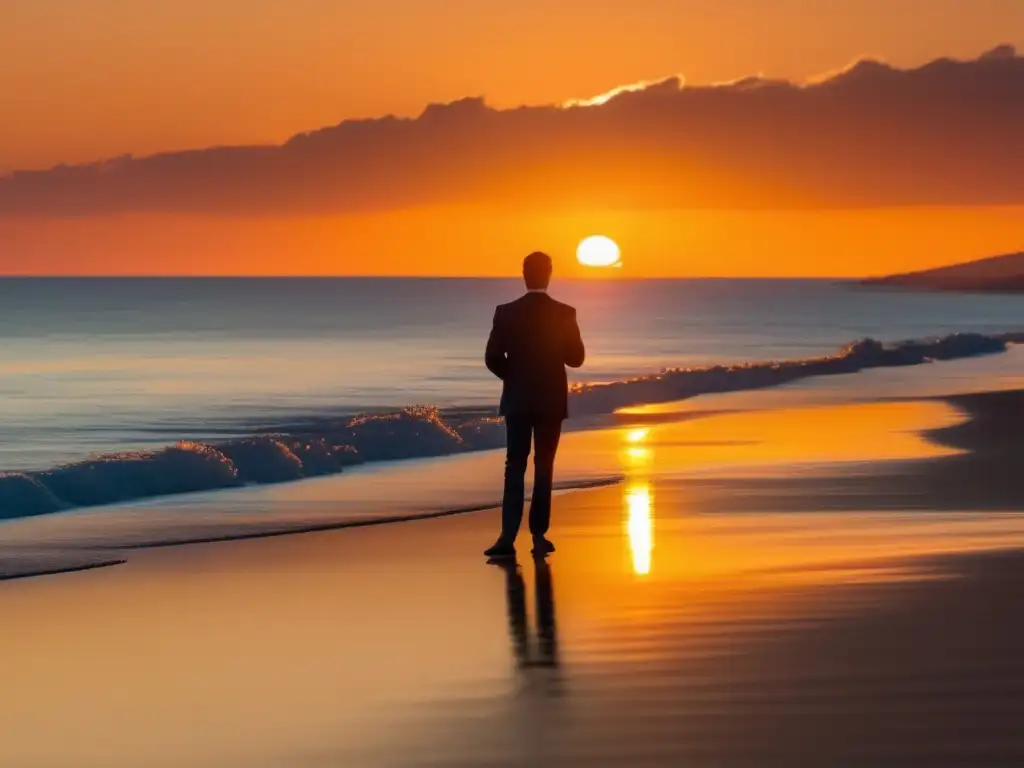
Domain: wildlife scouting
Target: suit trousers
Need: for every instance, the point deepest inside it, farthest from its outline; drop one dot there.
(520, 430)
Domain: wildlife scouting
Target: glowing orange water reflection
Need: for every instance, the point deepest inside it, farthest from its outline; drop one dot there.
(637, 459)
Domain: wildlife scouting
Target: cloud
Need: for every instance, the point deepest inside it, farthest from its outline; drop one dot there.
(947, 132)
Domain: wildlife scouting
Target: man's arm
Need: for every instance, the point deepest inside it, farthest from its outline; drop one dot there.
(574, 351)
(494, 357)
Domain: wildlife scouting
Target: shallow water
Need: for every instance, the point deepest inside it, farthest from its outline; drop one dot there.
(100, 365)
(734, 443)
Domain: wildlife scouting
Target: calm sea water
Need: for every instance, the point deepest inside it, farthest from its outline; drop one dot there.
(97, 365)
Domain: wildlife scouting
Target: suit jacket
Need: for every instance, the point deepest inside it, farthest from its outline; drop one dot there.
(532, 340)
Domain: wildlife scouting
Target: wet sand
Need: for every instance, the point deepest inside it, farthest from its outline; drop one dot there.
(984, 470)
(690, 617)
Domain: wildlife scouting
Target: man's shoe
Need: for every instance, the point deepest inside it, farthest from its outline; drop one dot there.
(501, 549)
(541, 546)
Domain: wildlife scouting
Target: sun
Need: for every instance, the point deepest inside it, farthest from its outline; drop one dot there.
(598, 251)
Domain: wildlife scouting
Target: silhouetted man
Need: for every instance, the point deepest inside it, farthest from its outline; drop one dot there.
(532, 340)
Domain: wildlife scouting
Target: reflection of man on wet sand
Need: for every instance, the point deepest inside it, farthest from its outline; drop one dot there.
(544, 606)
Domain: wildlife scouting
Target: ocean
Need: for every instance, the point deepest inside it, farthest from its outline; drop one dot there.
(100, 366)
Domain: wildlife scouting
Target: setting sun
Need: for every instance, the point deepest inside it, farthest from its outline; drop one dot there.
(598, 251)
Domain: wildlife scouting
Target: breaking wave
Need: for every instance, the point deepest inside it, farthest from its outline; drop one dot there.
(327, 446)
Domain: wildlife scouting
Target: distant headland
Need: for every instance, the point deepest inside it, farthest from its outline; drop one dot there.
(997, 274)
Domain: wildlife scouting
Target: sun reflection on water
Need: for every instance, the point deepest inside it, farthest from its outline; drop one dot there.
(638, 456)
(639, 508)
(637, 435)
(640, 526)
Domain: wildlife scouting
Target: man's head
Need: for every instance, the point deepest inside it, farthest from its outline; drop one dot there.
(537, 270)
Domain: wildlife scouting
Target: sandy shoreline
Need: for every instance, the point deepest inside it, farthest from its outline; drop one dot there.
(817, 606)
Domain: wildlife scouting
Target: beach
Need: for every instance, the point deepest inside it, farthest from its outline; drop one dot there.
(817, 584)
(299, 302)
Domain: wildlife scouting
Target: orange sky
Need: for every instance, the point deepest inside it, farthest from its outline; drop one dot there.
(85, 79)
(82, 80)
(465, 241)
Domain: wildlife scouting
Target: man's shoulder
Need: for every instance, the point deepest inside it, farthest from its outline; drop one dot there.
(526, 303)
(511, 306)
(567, 309)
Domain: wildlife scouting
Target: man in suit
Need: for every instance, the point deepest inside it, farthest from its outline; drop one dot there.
(532, 340)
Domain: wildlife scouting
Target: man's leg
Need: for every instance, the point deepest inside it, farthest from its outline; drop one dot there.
(517, 452)
(546, 434)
